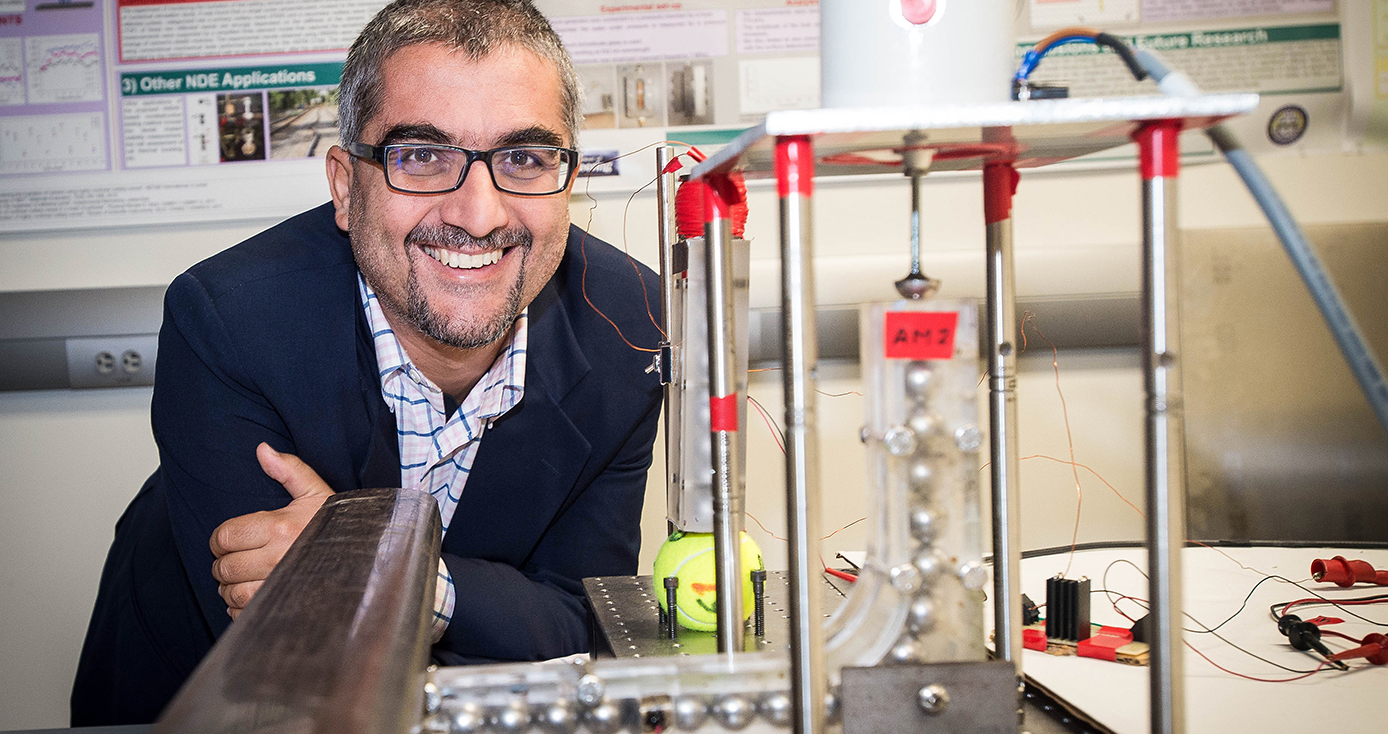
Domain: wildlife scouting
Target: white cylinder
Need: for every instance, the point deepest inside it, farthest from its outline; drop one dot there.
(893, 53)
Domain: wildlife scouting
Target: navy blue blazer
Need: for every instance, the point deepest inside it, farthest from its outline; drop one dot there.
(267, 342)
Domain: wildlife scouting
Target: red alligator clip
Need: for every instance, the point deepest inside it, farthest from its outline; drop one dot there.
(1346, 573)
(1374, 649)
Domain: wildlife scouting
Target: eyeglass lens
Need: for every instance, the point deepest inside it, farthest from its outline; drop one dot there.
(523, 170)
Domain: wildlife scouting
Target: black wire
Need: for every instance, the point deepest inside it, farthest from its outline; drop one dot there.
(1124, 51)
(767, 414)
(1208, 629)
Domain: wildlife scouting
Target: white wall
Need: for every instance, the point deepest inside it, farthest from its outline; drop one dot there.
(69, 461)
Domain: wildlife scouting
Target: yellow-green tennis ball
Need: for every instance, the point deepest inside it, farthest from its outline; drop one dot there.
(689, 556)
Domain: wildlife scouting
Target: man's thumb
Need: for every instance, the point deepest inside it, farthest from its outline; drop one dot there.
(297, 478)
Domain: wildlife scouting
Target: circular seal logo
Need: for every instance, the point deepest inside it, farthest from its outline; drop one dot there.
(1288, 124)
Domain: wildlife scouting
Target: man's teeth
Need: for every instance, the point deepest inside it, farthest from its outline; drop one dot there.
(461, 260)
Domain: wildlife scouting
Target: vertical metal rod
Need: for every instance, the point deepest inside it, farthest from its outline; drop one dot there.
(794, 185)
(999, 183)
(916, 175)
(719, 195)
(1160, 159)
(671, 326)
(665, 217)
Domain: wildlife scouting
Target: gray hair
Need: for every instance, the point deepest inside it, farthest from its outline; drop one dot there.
(477, 27)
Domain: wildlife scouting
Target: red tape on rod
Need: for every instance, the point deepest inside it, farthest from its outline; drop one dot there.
(722, 413)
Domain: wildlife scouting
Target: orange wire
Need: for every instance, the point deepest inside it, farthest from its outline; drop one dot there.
(821, 392)
(1063, 32)
(583, 248)
(1069, 437)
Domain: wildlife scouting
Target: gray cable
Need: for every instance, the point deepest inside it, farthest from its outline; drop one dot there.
(1361, 361)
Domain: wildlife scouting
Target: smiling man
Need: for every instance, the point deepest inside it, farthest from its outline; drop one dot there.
(436, 326)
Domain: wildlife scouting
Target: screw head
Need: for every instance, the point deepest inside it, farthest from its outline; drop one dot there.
(968, 438)
(905, 578)
(973, 575)
(899, 441)
(933, 699)
(590, 690)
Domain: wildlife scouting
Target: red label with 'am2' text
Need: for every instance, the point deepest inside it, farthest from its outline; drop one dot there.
(920, 334)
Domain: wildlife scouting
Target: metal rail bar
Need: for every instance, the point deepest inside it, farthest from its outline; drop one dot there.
(337, 639)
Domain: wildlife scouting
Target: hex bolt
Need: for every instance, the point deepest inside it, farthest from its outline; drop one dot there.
(933, 699)
(672, 604)
(759, 601)
(590, 690)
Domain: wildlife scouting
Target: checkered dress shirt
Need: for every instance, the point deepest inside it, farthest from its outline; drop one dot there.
(436, 451)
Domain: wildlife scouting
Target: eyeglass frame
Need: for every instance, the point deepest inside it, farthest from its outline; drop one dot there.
(377, 154)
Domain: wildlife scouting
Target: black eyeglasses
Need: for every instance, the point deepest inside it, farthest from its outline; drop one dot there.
(426, 168)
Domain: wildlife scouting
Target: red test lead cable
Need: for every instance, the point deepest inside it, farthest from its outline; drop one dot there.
(1346, 573)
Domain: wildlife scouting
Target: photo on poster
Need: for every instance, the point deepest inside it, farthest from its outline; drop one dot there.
(303, 122)
(599, 96)
(642, 88)
(242, 126)
(691, 92)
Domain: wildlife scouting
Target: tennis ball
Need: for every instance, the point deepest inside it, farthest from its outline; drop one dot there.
(689, 556)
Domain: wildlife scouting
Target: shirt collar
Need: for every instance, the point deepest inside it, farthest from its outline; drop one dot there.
(499, 389)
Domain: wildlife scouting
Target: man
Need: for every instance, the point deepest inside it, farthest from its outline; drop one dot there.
(437, 326)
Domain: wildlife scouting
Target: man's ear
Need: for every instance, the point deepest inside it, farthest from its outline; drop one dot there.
(340, 173)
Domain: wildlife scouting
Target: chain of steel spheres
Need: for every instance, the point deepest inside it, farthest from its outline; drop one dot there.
(592, 711)
(917, 445)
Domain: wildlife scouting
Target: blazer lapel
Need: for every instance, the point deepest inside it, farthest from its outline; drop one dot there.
(381, 465)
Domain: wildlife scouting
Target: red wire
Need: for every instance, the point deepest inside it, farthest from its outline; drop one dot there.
(840, 574)
(769, 426)
(1316, 601)
(1255, 678)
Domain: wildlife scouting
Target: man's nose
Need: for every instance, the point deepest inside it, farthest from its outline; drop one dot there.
(477, 206)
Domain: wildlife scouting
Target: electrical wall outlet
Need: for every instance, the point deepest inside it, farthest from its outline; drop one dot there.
(111, 361)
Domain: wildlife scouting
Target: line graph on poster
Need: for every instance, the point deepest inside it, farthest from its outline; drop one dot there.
(64, 68)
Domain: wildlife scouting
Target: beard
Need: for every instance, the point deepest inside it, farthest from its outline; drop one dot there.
(471, 330)
(466, 330)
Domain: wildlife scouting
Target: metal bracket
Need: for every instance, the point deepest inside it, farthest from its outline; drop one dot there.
(966, 698)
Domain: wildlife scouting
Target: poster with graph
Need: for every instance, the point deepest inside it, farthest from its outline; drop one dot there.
(63, 68)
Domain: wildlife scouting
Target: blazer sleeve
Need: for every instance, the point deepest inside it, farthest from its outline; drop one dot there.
(538, 611)
(208, 416)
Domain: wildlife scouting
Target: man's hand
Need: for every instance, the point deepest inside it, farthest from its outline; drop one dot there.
(248, 547)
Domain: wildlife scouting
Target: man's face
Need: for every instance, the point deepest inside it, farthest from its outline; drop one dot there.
(459, 266)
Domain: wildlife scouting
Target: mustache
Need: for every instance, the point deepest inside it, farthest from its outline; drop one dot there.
(457, 238)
